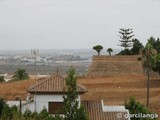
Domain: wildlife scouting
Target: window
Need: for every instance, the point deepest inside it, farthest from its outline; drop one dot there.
(56, 107)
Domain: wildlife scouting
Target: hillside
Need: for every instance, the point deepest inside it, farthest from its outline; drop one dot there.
(115, 89)
(12, 90)
(112, 89)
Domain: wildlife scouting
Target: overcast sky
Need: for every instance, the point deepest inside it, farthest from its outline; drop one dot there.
(58, 24)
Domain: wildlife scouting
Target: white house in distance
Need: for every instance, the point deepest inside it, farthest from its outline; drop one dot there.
(48, 93)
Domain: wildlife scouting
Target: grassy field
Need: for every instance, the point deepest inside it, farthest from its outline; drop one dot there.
(115, 89)
(112, 89)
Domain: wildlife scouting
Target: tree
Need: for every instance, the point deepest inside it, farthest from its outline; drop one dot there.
(149, 62)
(157, 66)
(156, 44)
(81, 114)
(136, 107)
(72, 111)
(109, 50)
(137, 46)
(125, 38)
(98, 48)
(2, 102)
(2, 79)
(20, 74)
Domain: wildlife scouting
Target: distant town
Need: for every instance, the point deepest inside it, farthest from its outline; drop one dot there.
(47, 61)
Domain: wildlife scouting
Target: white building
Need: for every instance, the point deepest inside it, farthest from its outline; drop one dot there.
(48, 93)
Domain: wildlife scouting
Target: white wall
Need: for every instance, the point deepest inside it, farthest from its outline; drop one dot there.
(42, 102)
(54, 98)
(30, 106)
(12, 103)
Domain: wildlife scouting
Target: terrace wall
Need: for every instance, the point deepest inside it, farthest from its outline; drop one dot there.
(104, 65)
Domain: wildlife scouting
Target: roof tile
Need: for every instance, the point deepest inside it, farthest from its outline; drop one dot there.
(95, 111)
(53, 84)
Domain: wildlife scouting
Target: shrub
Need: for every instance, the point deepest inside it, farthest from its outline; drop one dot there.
(136, 107)
(27, 114)
(43, 114)
(2, 102)
(2, 79)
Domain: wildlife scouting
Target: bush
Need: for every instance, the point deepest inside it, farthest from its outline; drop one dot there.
(136, 107)
(43, 114)
(20, 74)
(27, 114)
(2, 102)
(2, 79)
(6, 113)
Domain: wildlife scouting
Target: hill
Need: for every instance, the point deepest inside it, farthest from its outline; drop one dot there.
(112, 89)
(115, 89)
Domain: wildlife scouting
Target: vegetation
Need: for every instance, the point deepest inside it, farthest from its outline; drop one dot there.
(8, 113)
(135, 50)
(136, 107)
(12, 113)
(137, 46)
(156, 45)
(109, 50)
(98, 48)
(20, 74)
(71, 105)
(126, 39)
(2, 79)
(149, 62)
(1, 105)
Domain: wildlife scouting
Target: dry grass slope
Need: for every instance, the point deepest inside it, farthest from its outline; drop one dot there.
(112, 89)
(115, 89)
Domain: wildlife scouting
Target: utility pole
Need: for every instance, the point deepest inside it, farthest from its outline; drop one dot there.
(35, 53)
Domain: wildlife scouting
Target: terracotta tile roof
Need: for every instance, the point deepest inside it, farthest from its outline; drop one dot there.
(53, 84)
(95, 111)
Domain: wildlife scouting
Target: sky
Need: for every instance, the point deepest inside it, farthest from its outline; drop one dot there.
(75, 24)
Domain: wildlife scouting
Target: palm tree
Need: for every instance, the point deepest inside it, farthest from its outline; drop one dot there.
(20, 74)
(98, 48)
(109, 50)
(149, 62)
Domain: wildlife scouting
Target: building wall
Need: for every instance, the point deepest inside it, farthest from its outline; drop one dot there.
(42, 102)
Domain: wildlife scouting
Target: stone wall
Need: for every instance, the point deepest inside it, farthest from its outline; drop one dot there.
(104, 65)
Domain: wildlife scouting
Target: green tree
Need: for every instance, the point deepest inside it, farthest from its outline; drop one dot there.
(72, 111)
(136, 107)
(20, 74)
(98, 48)
(137, 46)
(109, 50)
(157, 67)
(156, 44)
(81, 114)
(125, 39)
(2, 102)
(2, 79)
(149, 62)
